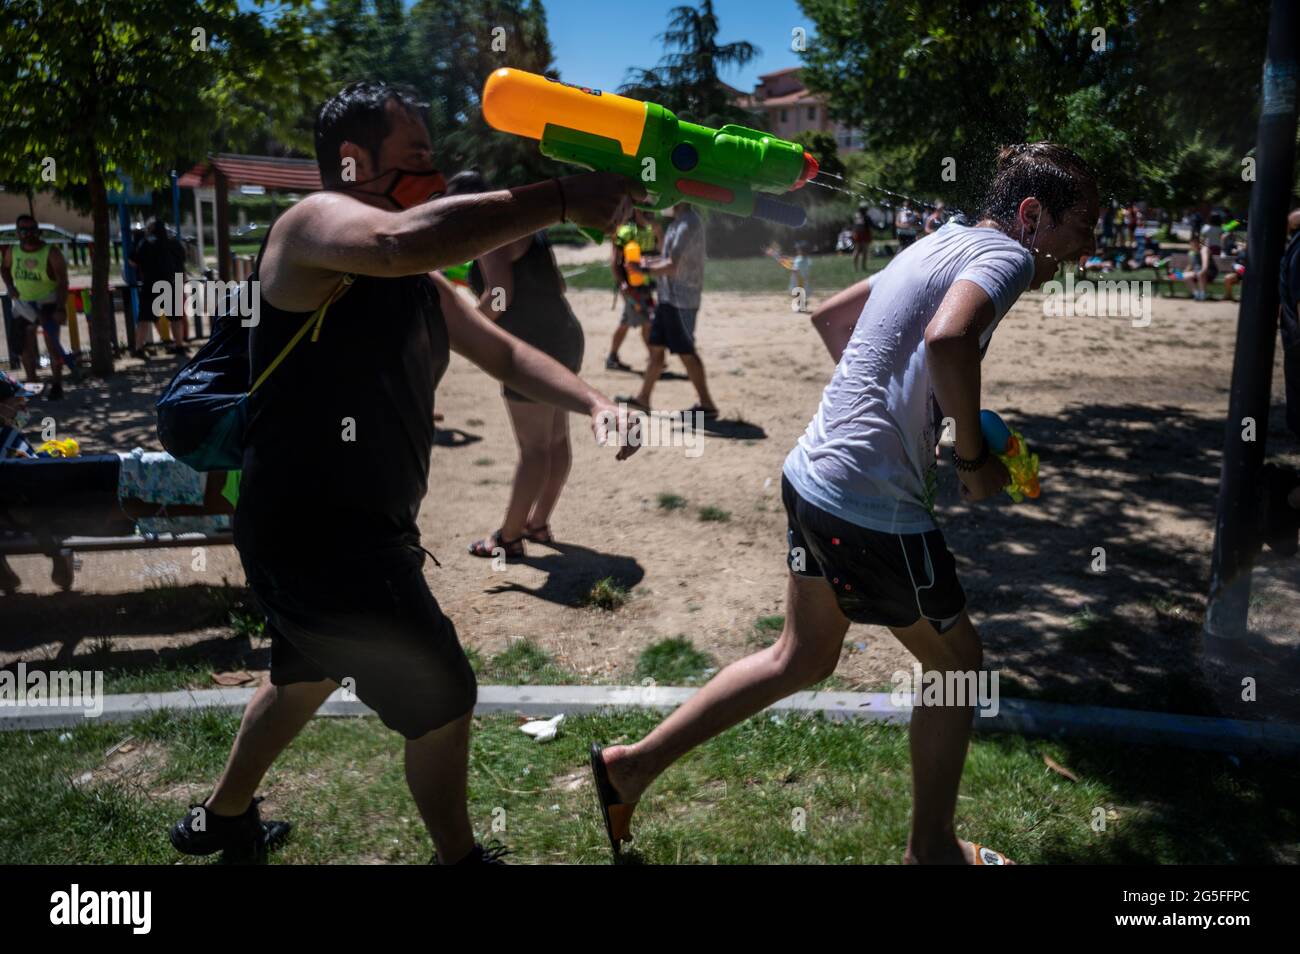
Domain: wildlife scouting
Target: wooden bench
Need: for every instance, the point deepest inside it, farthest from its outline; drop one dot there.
(54, 545)
(1178, 261)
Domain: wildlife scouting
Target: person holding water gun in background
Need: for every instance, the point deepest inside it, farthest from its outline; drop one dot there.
(859, 488)
(800, 269)
(640, 236)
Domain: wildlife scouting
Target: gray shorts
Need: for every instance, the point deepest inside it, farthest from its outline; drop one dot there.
(638, 307)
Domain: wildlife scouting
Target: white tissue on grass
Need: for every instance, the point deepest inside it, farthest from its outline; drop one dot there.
(543, 730)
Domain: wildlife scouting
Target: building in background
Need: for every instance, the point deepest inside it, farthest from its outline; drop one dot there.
(47, 209)
(789, 109)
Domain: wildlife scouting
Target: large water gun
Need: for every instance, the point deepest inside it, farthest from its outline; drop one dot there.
(1011, 448)
(734, 169)
(457, 274)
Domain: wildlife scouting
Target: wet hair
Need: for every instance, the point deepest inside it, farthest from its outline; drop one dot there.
(359, 113)
(467, 182)
(25, 217)
(1054, 175)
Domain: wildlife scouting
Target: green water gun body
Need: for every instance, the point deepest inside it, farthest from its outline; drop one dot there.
(733, 169)
(1013, 450)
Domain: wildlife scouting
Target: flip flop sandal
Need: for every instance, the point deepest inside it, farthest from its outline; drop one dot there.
(987, 856)
(514, 549)
(617, 815)
(633, 403)
(540, 534)
(710, 413)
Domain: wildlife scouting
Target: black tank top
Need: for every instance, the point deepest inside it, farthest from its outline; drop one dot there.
(337, 449)
(539, 314)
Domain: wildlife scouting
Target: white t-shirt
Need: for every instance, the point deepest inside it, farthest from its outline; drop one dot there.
(868, 454)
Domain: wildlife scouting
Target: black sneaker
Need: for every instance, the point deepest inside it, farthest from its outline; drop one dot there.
(479, 855)
(244, 834)
(612, 363)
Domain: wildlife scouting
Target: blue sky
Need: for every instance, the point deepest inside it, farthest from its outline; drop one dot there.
(595, 41)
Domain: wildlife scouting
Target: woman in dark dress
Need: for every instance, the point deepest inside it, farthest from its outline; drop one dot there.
(520, 287)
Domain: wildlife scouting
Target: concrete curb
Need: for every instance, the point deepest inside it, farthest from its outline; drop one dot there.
(1023, 717)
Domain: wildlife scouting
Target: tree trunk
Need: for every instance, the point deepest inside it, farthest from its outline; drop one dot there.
(101, 326)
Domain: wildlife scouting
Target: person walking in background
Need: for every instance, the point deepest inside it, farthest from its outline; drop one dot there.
(905, 225)
(642, 236)
(801, 274)
(160, 258)
(519, 286)
(861, 237)
(681, 268)
(1212, 234)
(35, 274)
(1201, 270)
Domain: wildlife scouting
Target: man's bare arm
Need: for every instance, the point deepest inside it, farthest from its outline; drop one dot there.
(58, 265)
(836, 317)
(7, 274)
(952, 348)
(336, 233)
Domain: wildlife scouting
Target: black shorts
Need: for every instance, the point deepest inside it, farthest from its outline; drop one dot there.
(884, 579)
(369, 622)
(672, 329)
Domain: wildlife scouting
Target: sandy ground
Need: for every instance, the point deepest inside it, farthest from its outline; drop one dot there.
(1128, 421)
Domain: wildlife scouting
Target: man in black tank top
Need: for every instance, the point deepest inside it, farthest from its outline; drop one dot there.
(337, 451)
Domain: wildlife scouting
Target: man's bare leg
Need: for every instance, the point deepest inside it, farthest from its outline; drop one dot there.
(654, 367)
(437, 764)
(695, 371)
(619, 334)
(806, 653)
(274, 717)
(939, 737)
(29, 357)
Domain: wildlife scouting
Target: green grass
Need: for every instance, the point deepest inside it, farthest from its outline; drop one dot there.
(830, 273)
(734, 800)
(712, 514)
(758, 274)
(671, 502)
(523, 662)
(766, 630)
(606, 594)
(674, 662)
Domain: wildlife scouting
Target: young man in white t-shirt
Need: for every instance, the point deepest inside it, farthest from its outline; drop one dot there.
(859, 487)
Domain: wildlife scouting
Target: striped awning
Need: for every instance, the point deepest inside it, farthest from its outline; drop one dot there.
(292, 175)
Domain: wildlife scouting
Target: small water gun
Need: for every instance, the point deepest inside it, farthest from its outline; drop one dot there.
(733, 169)
(59, 448)
(785, 261)
(632, 264)
(457, 274)
(1011, 448)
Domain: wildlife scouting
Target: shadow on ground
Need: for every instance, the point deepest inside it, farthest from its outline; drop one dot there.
(1140, 483)
(571, 572)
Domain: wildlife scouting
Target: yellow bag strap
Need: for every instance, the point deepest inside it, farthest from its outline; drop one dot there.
(317, 318)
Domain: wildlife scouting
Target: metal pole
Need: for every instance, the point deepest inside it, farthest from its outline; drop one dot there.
(1236, 530)
(176, 204)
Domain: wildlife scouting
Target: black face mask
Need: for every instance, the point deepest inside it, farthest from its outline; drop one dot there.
(410, 188)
